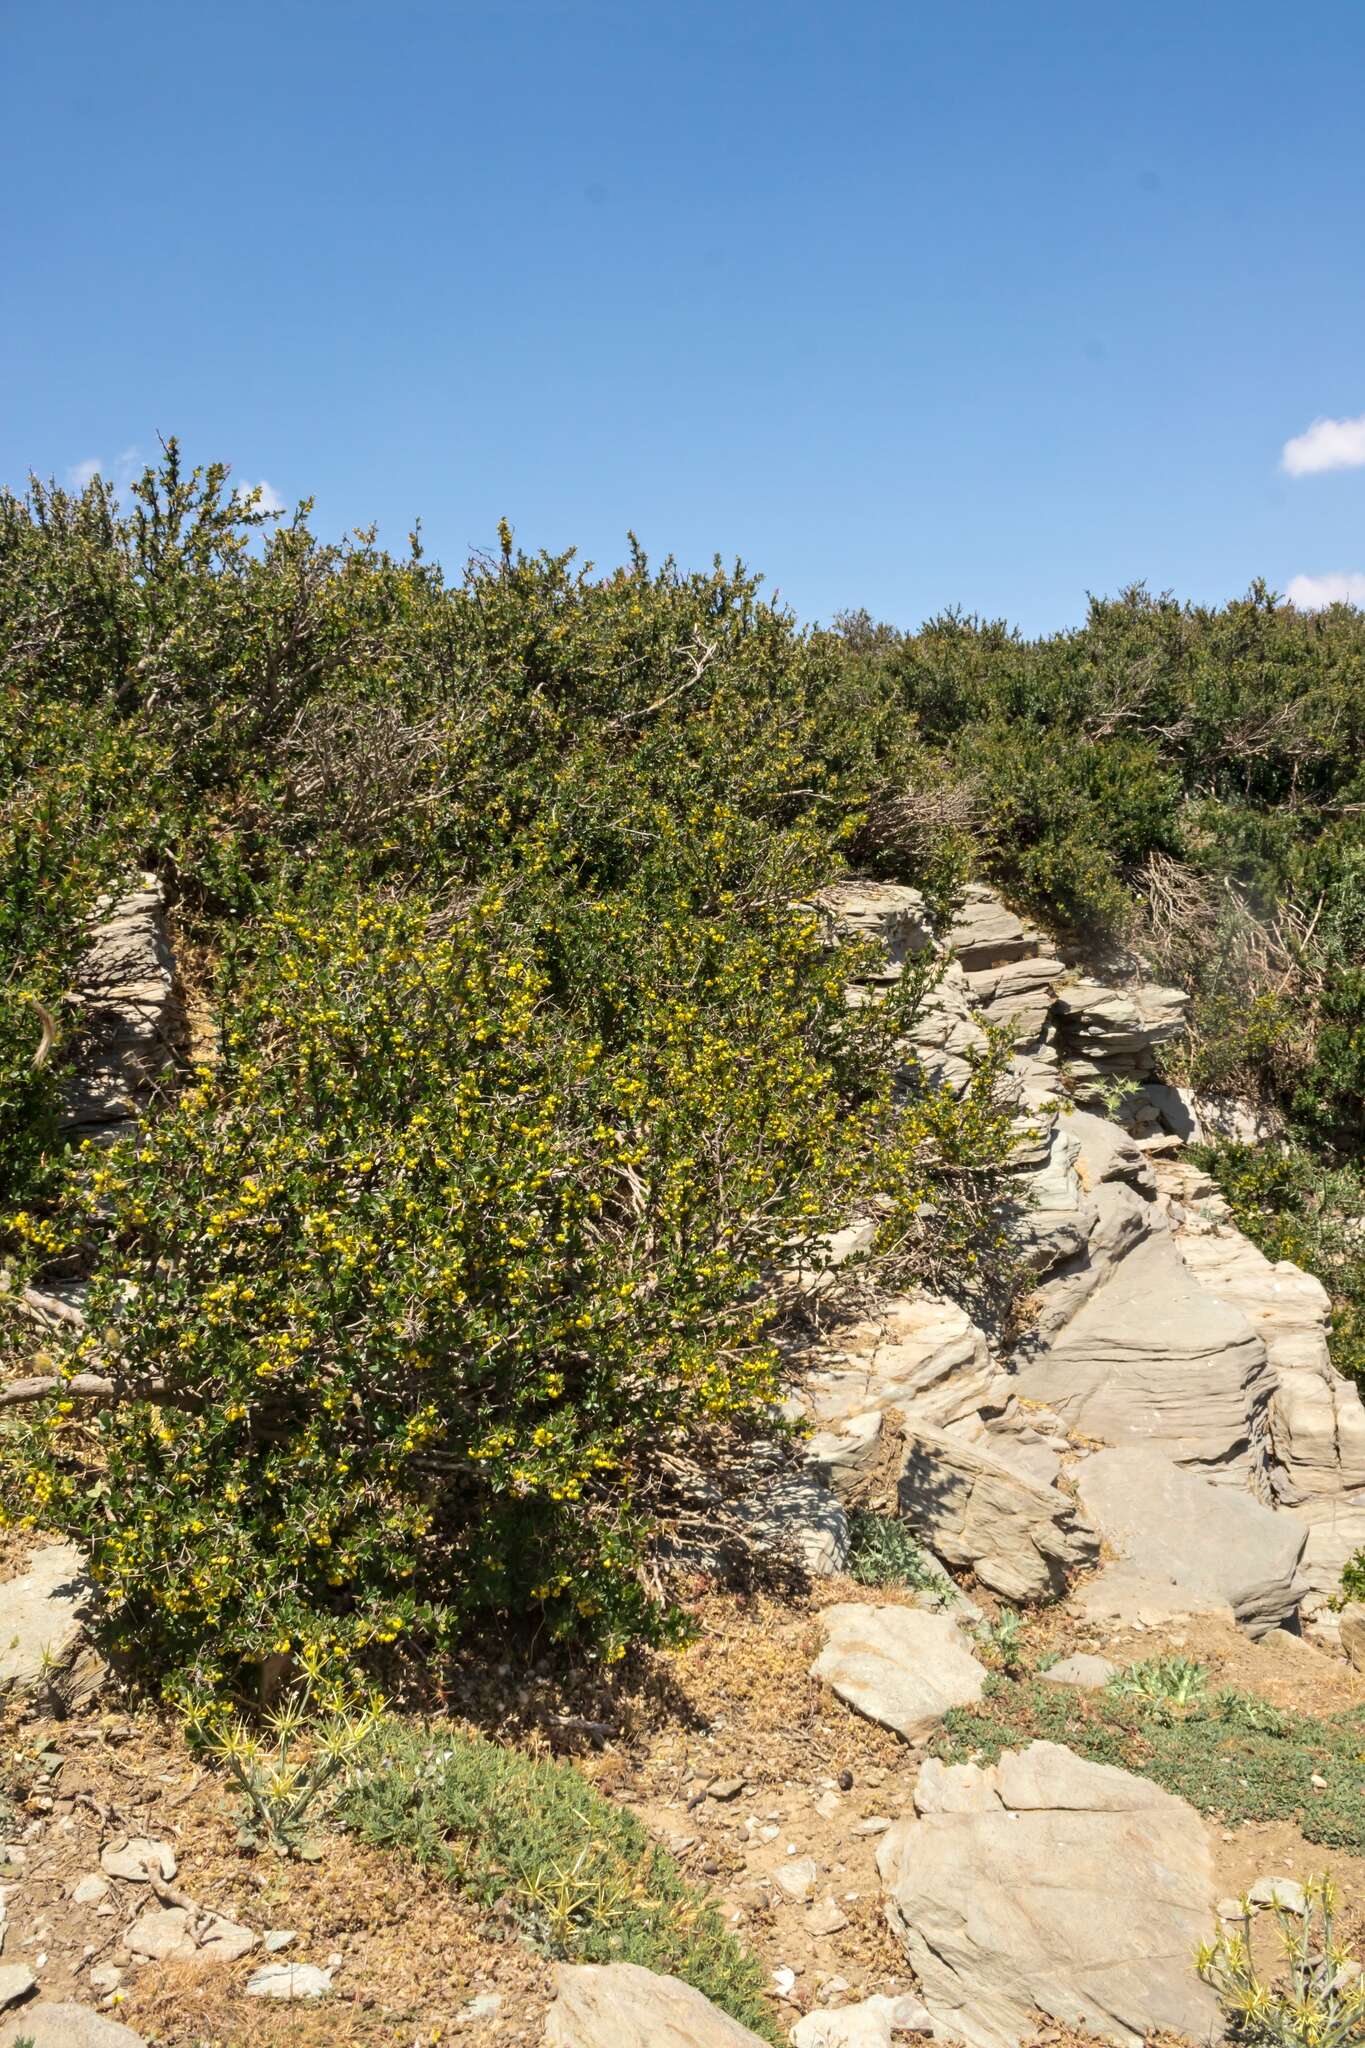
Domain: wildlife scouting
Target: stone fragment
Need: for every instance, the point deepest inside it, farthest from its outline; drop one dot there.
(973, 1511)
(288, 1980)
(43, 1643)
(130, 1859)
(898, 1665)
(60, 2025)
(1050, 1884)
(1281, 1892)
(173, 1934)
(16, 1982)
(1185, 1543)
(873, 2023)
(826, 1917)
(1084, 1672)
(620, 2005)
(796, 1877)
(276, 1938)
(89, 1891)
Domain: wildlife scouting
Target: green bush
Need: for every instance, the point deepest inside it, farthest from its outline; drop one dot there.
(436, 1276)
(882, 1552)
(580, 1875)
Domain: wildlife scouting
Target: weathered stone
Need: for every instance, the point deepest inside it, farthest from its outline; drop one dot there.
(1189, 1541)
(126, 983)
(173, 1934)
(1117, 1220)
(1151, 1357)
(1316, 1420)
(1106, 1152)
(1101, 1021)
(1049, 1884)
(1019, 1538)
(985, 934)
(898, 1665)
(1018, 995)
(89, 1891)
(132, 1859)
(43, 1643)
(920, 1354)
(888, 912)
(16, 1983)
(66, 2026)
(873, 2023)
(619, 2005)
(288, 1980)
(1084, 1672)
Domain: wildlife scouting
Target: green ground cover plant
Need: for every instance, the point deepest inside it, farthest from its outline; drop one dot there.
(1229, 1754)
(580, 1876)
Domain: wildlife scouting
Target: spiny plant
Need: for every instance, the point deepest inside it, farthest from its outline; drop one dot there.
(1318, 2000)
(291, 1767)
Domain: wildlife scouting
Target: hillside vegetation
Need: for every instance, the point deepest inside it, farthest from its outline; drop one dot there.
(451, 1257)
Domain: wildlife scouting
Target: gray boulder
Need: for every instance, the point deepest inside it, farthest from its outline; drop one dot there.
(976, 1512)
(899, 1666)
(1152, 1357)
(1049, 1884)
(1187, 1546)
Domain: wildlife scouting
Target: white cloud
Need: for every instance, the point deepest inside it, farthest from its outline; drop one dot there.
(82, 473)
(269, 500)
(1312, 593)
(1327, 444)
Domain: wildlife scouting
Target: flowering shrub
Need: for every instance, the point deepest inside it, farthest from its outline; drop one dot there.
(433, 1275)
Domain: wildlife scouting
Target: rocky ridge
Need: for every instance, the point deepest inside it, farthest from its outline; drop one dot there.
(1169, 1439)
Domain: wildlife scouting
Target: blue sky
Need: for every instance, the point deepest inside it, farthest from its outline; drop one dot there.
(973, 303)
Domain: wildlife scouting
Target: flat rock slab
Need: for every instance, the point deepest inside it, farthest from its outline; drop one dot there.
(288, 1980)
(42, 1628)
(619, 2005)
(1189, 1540)
(1049, 1884)
(66, 2026)
(898, 1665)
(1153, 1358)
(172, 1934)
(1084, 1672)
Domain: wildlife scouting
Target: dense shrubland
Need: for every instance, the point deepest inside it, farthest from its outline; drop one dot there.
(533, 1064)
(1183, 783)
